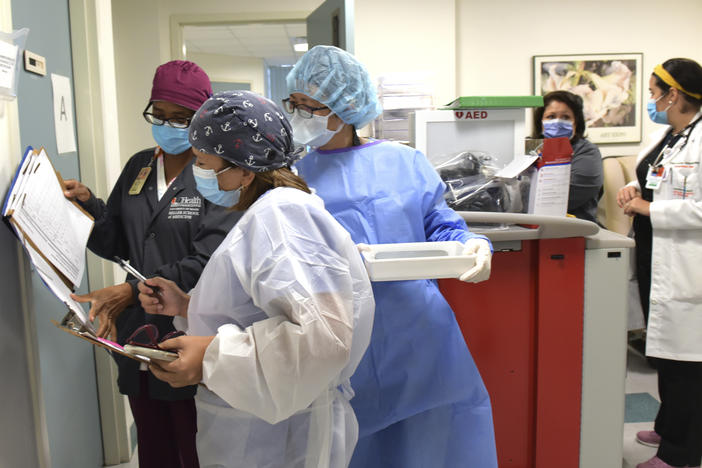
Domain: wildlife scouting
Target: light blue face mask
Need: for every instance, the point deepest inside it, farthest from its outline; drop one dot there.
(556, 128)
(208, 186)
(171, 140)
(657, 116)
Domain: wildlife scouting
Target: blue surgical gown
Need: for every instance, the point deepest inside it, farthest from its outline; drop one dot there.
(420, 400)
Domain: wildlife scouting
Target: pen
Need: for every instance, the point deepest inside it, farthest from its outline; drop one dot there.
(130, 269)
(135, 273)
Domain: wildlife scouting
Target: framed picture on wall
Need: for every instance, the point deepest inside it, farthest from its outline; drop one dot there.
(611, 88)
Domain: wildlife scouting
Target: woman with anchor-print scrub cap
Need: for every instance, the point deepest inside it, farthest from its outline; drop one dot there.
(283, 310)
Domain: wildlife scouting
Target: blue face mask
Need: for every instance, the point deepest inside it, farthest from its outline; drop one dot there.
(660, 117)
(208, 186)
(556, 128)
(171, 140)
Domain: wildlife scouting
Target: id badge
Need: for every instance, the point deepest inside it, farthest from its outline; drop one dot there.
(655, 177)
(140, 180)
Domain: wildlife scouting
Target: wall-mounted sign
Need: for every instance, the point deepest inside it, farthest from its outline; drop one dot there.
(63, 114)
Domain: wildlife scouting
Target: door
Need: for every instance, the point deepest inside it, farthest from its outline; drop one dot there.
(66, 376)
(332, 24)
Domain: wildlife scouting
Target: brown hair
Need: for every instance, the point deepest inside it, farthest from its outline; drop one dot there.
(264, 181)
(574, 103)
(688, 74)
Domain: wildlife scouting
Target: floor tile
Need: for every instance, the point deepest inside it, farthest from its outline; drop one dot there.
(640, 407)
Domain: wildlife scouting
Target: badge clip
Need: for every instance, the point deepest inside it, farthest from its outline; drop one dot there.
(655, 177)
(140, 180)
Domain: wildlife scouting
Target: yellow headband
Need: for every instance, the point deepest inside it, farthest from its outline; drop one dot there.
(668, 79)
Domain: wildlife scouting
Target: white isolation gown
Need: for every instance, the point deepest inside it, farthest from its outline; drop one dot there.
(291, 305)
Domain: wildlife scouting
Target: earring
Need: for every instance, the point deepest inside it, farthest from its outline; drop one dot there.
(670, 102)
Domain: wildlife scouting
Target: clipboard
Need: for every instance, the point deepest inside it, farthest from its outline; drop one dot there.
(24, 238)
(71, 324)
(29, 227)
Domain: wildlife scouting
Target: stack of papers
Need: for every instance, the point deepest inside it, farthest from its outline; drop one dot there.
(53, 230)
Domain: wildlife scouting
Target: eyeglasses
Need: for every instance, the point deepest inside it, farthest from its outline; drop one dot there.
(178, 122)
(302, 110)
(147, 336)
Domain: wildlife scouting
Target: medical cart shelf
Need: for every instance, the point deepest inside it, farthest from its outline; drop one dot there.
(545, 227)
(552, 352)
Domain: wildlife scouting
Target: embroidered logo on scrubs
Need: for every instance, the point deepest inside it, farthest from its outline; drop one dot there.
(184, 207)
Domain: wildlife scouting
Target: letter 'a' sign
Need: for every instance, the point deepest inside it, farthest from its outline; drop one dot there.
(63, 114)
(470, 114)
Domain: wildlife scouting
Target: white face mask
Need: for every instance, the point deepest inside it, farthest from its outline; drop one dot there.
(312, 132)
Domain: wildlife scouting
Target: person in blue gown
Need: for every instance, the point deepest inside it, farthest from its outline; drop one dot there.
(420, 400)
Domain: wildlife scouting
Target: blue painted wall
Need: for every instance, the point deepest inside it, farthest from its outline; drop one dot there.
(67, 365)
(17, 436)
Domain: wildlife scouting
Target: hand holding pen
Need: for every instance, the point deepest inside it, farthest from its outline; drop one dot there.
(170, 299)
(135, 273)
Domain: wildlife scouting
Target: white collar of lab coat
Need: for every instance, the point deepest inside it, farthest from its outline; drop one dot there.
(656, 138)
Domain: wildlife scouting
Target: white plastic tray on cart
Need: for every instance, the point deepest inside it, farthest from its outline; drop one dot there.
(416, 260)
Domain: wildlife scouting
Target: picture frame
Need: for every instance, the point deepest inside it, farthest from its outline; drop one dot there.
(611, 87)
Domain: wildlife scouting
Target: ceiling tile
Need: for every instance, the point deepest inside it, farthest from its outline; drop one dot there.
(271, 42)
(206, 32)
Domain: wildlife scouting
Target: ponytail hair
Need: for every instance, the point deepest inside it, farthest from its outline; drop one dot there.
(264, 181)
(688, 74)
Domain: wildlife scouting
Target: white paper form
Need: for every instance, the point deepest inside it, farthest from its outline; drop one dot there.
(8, 62)
(58, 228)
(518, 165)
(63, 114)
(56, 285)
(549, 193)
(16, 190)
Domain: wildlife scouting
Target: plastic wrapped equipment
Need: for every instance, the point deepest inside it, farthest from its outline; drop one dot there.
(472, 185)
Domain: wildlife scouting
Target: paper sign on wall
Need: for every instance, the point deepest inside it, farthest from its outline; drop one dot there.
(63, 114)
(8, 59)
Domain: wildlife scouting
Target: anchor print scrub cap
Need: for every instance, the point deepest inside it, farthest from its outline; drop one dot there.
(245, 129)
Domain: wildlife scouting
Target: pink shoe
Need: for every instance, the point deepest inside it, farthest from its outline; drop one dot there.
(654, 462)
(650, 438)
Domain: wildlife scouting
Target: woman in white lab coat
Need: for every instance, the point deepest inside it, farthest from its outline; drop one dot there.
(282, 313)
(666, 201)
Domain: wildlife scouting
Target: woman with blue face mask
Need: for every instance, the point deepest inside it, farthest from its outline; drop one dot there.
(666, 203)
(157, 220)
(562, 116)
(283, 310)
(420, 399)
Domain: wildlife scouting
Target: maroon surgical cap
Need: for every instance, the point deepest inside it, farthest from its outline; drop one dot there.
(181, 82)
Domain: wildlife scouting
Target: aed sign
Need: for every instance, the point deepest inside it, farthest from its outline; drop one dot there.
(470, 115)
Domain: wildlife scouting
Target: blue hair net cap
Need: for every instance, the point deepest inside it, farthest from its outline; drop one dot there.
(336, 79)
